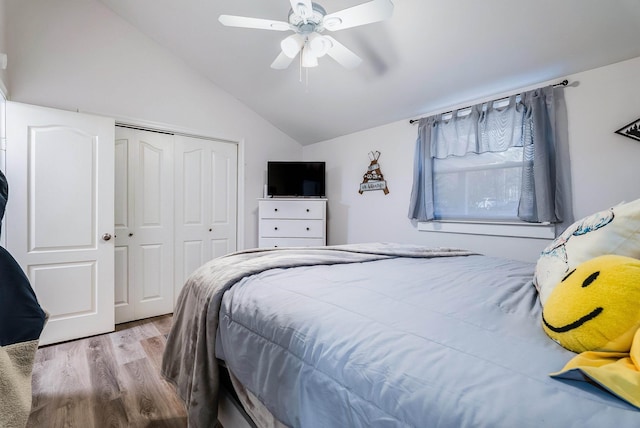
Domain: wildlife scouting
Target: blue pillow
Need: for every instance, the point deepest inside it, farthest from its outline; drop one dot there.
(21, 317)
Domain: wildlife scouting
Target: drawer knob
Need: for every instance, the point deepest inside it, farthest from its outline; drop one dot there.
(307, 209)
(275, 228)
(275, 209)
(307, 228)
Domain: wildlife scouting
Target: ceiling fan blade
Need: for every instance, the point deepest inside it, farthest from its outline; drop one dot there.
(302, 8)
(342, 55)
(281, 62)
(366, 13)
(246, 22)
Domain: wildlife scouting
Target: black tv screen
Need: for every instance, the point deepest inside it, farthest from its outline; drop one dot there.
(295, 179)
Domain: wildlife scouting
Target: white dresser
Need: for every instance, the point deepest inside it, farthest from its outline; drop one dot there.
(292, 222)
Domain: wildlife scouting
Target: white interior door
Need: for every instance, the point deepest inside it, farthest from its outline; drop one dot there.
(59, 219)
(144, 224)
(206, 202)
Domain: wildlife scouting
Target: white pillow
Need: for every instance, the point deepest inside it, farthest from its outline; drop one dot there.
(612, 231)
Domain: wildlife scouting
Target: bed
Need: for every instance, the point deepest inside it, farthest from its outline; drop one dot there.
(376, 335)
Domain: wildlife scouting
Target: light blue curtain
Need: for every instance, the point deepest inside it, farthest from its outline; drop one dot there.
(421, 205)
(536, 122)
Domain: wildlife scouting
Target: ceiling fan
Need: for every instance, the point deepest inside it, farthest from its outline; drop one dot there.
(308, 20)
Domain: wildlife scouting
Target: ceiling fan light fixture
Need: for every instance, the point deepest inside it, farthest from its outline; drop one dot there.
(292, 45)
(301, 10)
(319, 45)
(309, 60)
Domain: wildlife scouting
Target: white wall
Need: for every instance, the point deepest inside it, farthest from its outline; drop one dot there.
(78, 55)
(605, 168)
(3, 44)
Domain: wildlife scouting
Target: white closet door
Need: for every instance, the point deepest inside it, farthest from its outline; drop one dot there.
(59, 218)
(144, 224)
(124, 203)
(206, 203)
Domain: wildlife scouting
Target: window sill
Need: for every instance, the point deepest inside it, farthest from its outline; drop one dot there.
(509, 229)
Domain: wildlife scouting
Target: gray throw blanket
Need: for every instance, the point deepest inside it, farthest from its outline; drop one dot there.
(189, 360)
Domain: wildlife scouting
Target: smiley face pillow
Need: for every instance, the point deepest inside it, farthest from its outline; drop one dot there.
(595, 310)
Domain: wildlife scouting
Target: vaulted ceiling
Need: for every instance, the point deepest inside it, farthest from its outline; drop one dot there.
(429, 55)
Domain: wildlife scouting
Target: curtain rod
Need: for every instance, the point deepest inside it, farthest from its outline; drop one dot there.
(565, 82)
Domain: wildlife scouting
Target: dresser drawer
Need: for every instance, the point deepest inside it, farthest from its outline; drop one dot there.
(292, 228)
(301, 209)
(290, 242)
(292, 222)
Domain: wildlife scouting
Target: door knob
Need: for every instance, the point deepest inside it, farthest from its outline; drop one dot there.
(106, 236)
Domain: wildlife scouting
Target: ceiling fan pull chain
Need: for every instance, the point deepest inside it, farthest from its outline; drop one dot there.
(300, 67)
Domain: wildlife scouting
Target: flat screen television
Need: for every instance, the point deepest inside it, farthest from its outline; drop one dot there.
(295, 179)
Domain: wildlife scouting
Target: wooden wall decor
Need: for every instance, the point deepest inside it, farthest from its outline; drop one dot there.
(373, 178)
(631, 130)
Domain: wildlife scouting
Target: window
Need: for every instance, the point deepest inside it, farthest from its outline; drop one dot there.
(478, 186)
(494, 163)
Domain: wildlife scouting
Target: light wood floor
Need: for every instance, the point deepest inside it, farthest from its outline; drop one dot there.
(111, 380)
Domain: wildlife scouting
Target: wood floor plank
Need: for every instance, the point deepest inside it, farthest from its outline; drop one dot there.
(126, 341)
(153, 348)
(103, 375)
(46, 369)
(72, 390)
(150, 400)
(163, 324)
(109, 408)
(110, 380)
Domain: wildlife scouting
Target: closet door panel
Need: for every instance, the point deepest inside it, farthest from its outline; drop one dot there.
(147, 232)
(193, 257)
(149, 194)
(124, 204)
(206, 200)
(123, 306)
(193, 206)
(220, 247)
(150, 291)
(121, 213)
(224, 196)
(220, 193)
(192, 188)
(153, 236)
